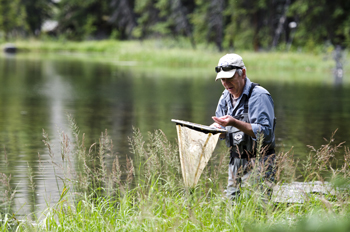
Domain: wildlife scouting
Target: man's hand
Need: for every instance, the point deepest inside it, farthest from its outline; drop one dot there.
(216, 125)
(226, 120)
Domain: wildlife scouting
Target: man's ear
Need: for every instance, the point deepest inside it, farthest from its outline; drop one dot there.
(243, 73)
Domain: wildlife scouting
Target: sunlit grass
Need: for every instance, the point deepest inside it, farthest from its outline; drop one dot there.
(178, 59)
(158, 52)
(148, 194)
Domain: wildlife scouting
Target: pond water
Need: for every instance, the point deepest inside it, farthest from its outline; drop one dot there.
(39, 93)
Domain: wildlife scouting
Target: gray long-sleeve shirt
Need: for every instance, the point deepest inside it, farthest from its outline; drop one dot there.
(260, 110)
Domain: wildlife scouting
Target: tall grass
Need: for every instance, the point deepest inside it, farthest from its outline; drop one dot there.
(147, 193)
(7, 193)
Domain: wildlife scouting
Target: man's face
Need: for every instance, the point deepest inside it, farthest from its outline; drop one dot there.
(235, 84)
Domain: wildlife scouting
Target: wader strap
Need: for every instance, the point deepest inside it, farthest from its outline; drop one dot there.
(247, 100)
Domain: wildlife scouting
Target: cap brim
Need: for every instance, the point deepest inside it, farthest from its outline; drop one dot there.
(223, 74)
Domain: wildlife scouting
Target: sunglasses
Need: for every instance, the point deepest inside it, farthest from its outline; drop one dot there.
(226, 68)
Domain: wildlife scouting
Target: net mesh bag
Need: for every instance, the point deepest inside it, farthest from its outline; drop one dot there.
(195, 149)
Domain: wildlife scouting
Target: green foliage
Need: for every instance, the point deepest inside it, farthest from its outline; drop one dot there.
(21, 18)
(83, 19)
(122, 17)
(175, 20)
(320, 21)
(89, 28)
(199, 18)
(37, 11)
(148, 16)
(228, 24)
(114, 35)
(12, 18)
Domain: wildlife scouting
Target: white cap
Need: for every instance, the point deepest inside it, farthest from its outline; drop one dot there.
(229, 59)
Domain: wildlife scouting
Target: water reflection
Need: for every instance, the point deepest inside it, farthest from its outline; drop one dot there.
(338, 71)
(38, 94)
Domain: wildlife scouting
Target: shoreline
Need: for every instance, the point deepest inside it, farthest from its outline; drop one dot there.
(164, 57)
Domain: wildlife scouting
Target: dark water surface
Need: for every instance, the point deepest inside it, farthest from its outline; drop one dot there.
(37, 94)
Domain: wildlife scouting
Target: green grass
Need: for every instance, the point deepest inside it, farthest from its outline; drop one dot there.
(148, 194)
(171, 54)
(154, 52)
(178, 59)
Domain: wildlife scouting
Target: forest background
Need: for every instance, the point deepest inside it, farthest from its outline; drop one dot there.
(226, 24)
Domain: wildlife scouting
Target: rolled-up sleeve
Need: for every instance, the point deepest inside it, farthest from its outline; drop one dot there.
(261, 114)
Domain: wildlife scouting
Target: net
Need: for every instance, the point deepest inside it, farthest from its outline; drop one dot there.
(196, 145)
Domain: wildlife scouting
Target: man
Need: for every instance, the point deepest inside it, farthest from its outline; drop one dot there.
(246, 110)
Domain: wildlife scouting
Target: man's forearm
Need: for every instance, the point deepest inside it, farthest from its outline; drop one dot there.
(242, 126)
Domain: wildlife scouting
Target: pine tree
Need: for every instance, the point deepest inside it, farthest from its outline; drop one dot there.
(123, 17)
(208, 22)
(174, 19)
(147, 15)
(84, 19)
